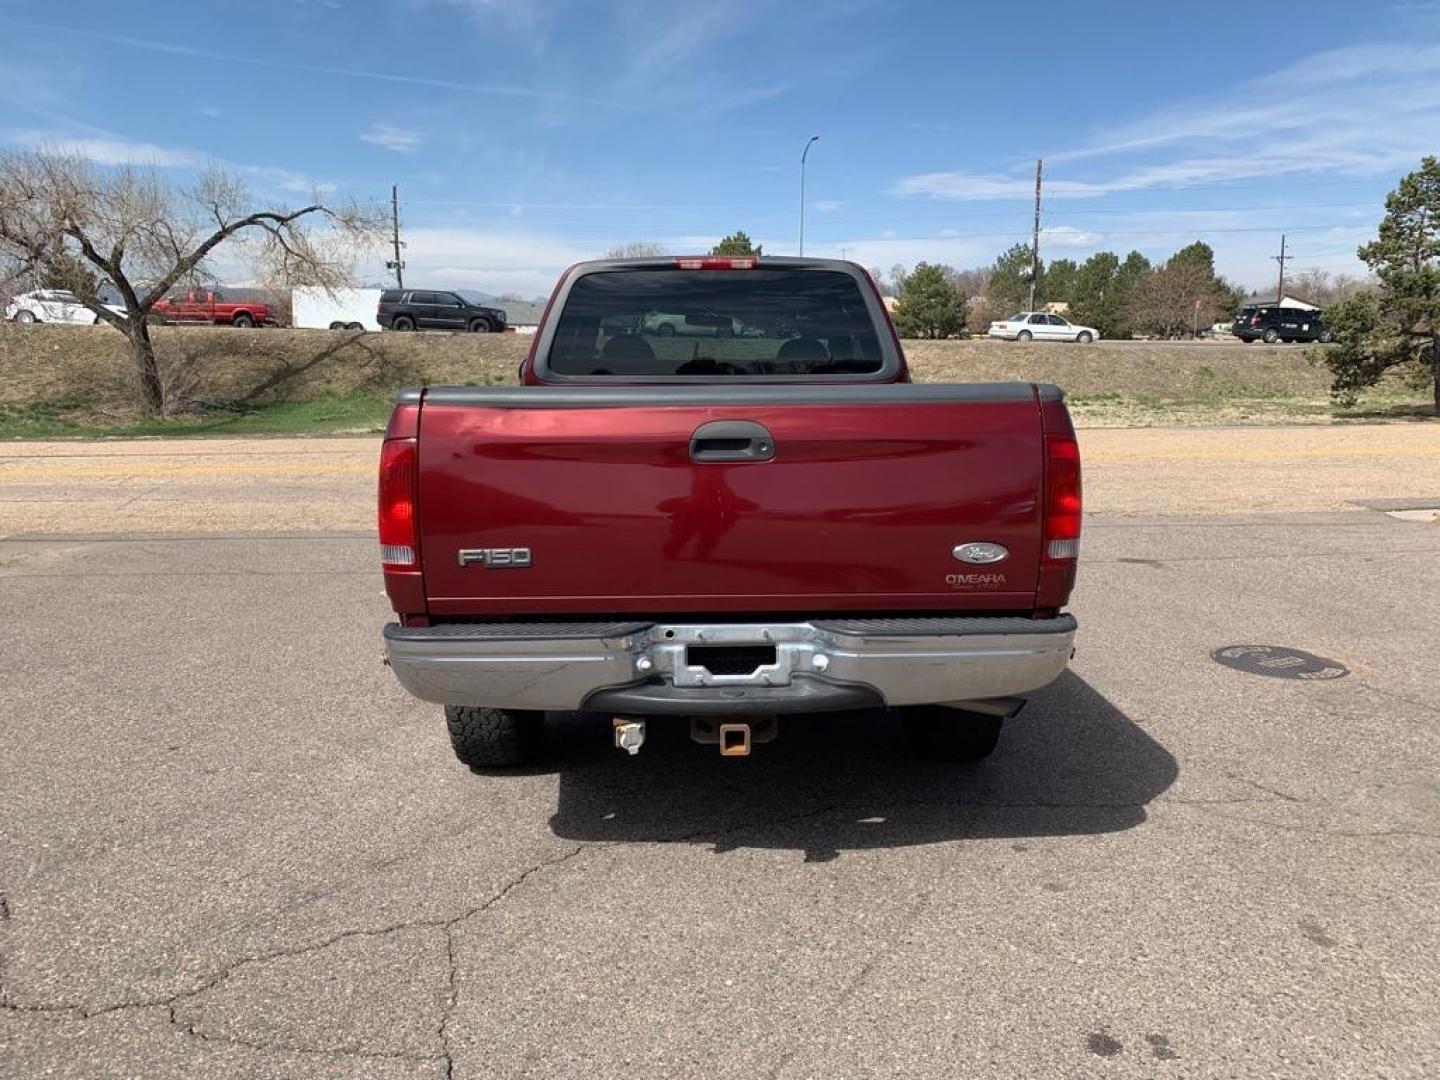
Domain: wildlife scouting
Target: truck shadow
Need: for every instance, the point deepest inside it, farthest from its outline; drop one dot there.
(1070, 764)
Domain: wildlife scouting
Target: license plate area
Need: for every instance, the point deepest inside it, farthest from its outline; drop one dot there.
(732, 654)
(730, 659)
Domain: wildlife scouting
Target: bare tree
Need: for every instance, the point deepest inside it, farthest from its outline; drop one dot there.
(94, 231)
(637, 249)
(1171, 300)
(1322, 288)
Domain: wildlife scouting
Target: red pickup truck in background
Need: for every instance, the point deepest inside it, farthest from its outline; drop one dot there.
(726, 528)
(208, 306)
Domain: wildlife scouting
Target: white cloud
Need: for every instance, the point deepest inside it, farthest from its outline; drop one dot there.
(111, 151)
(828, 206)
(116, 150)
(886, 252)
(400, 140)
(1358, 111)
(1069, 236)
(526, 264)
(978, 186)
(668, 36)
(213, 56)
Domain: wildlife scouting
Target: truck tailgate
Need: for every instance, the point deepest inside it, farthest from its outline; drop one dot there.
(592, 500)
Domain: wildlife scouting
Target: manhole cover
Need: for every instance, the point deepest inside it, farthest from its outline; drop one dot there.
(1279, 662)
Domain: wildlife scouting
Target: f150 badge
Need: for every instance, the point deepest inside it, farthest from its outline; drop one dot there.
(497, 558)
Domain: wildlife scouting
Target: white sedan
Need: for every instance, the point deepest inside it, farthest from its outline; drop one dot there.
(54, 306)
(1042, 326)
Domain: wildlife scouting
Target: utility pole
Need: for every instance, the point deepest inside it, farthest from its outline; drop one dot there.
(1282, 259)
(1035, 240)
(804, 154)
(398, 265)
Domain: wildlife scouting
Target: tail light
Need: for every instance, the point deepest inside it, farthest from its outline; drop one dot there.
(399, 539)
(1254, 320)
(1062, 498)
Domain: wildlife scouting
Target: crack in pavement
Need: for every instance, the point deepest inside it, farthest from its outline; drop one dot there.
(56, 1012)
(62, 1013)
(786, 1056)
(281, 1047)
(1210, 810)
(1428, 706)
(451, 1002)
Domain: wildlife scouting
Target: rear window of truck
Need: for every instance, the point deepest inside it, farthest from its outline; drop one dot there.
(673, 322)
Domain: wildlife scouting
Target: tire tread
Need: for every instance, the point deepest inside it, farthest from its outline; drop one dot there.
(494, 738)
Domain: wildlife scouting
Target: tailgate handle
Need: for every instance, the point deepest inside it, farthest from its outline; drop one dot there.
(732, 440)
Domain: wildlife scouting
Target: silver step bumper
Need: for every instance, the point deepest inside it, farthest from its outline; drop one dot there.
(818, 666)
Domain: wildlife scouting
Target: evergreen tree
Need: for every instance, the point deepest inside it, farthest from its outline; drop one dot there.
(1398, 328)
(737, 243)
(932, 305)
(1059, 281)
(1010, 280)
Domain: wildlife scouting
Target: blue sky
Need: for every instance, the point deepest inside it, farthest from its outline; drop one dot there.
(526, 134)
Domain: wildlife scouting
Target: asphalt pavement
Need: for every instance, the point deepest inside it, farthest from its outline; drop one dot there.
(231, 846)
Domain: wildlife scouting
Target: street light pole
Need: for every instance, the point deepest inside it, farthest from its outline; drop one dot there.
(804, 154)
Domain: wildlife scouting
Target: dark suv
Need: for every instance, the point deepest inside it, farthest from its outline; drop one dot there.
(424, 309)
(1270, 324)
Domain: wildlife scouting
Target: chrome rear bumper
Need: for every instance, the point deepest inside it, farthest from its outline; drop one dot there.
(817, 666)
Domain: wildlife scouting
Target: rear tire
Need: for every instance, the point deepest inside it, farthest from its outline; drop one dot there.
(945, 734)
(337, 325)
(1024, 335)
(494, 738)
(1326, 337)
(1085, 337)
(355, 326)
(243, 321)
(403, 323)
(1271, 336)
(665, 329)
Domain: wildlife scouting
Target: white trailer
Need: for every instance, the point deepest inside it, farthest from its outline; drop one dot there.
(315, 308)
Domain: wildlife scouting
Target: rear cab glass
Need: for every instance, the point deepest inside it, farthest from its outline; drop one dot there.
(657, 322)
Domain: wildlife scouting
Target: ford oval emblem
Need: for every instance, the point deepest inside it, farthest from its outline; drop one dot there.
(980, 554)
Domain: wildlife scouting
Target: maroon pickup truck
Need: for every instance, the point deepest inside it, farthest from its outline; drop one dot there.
(207, 306)
(726, 528)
